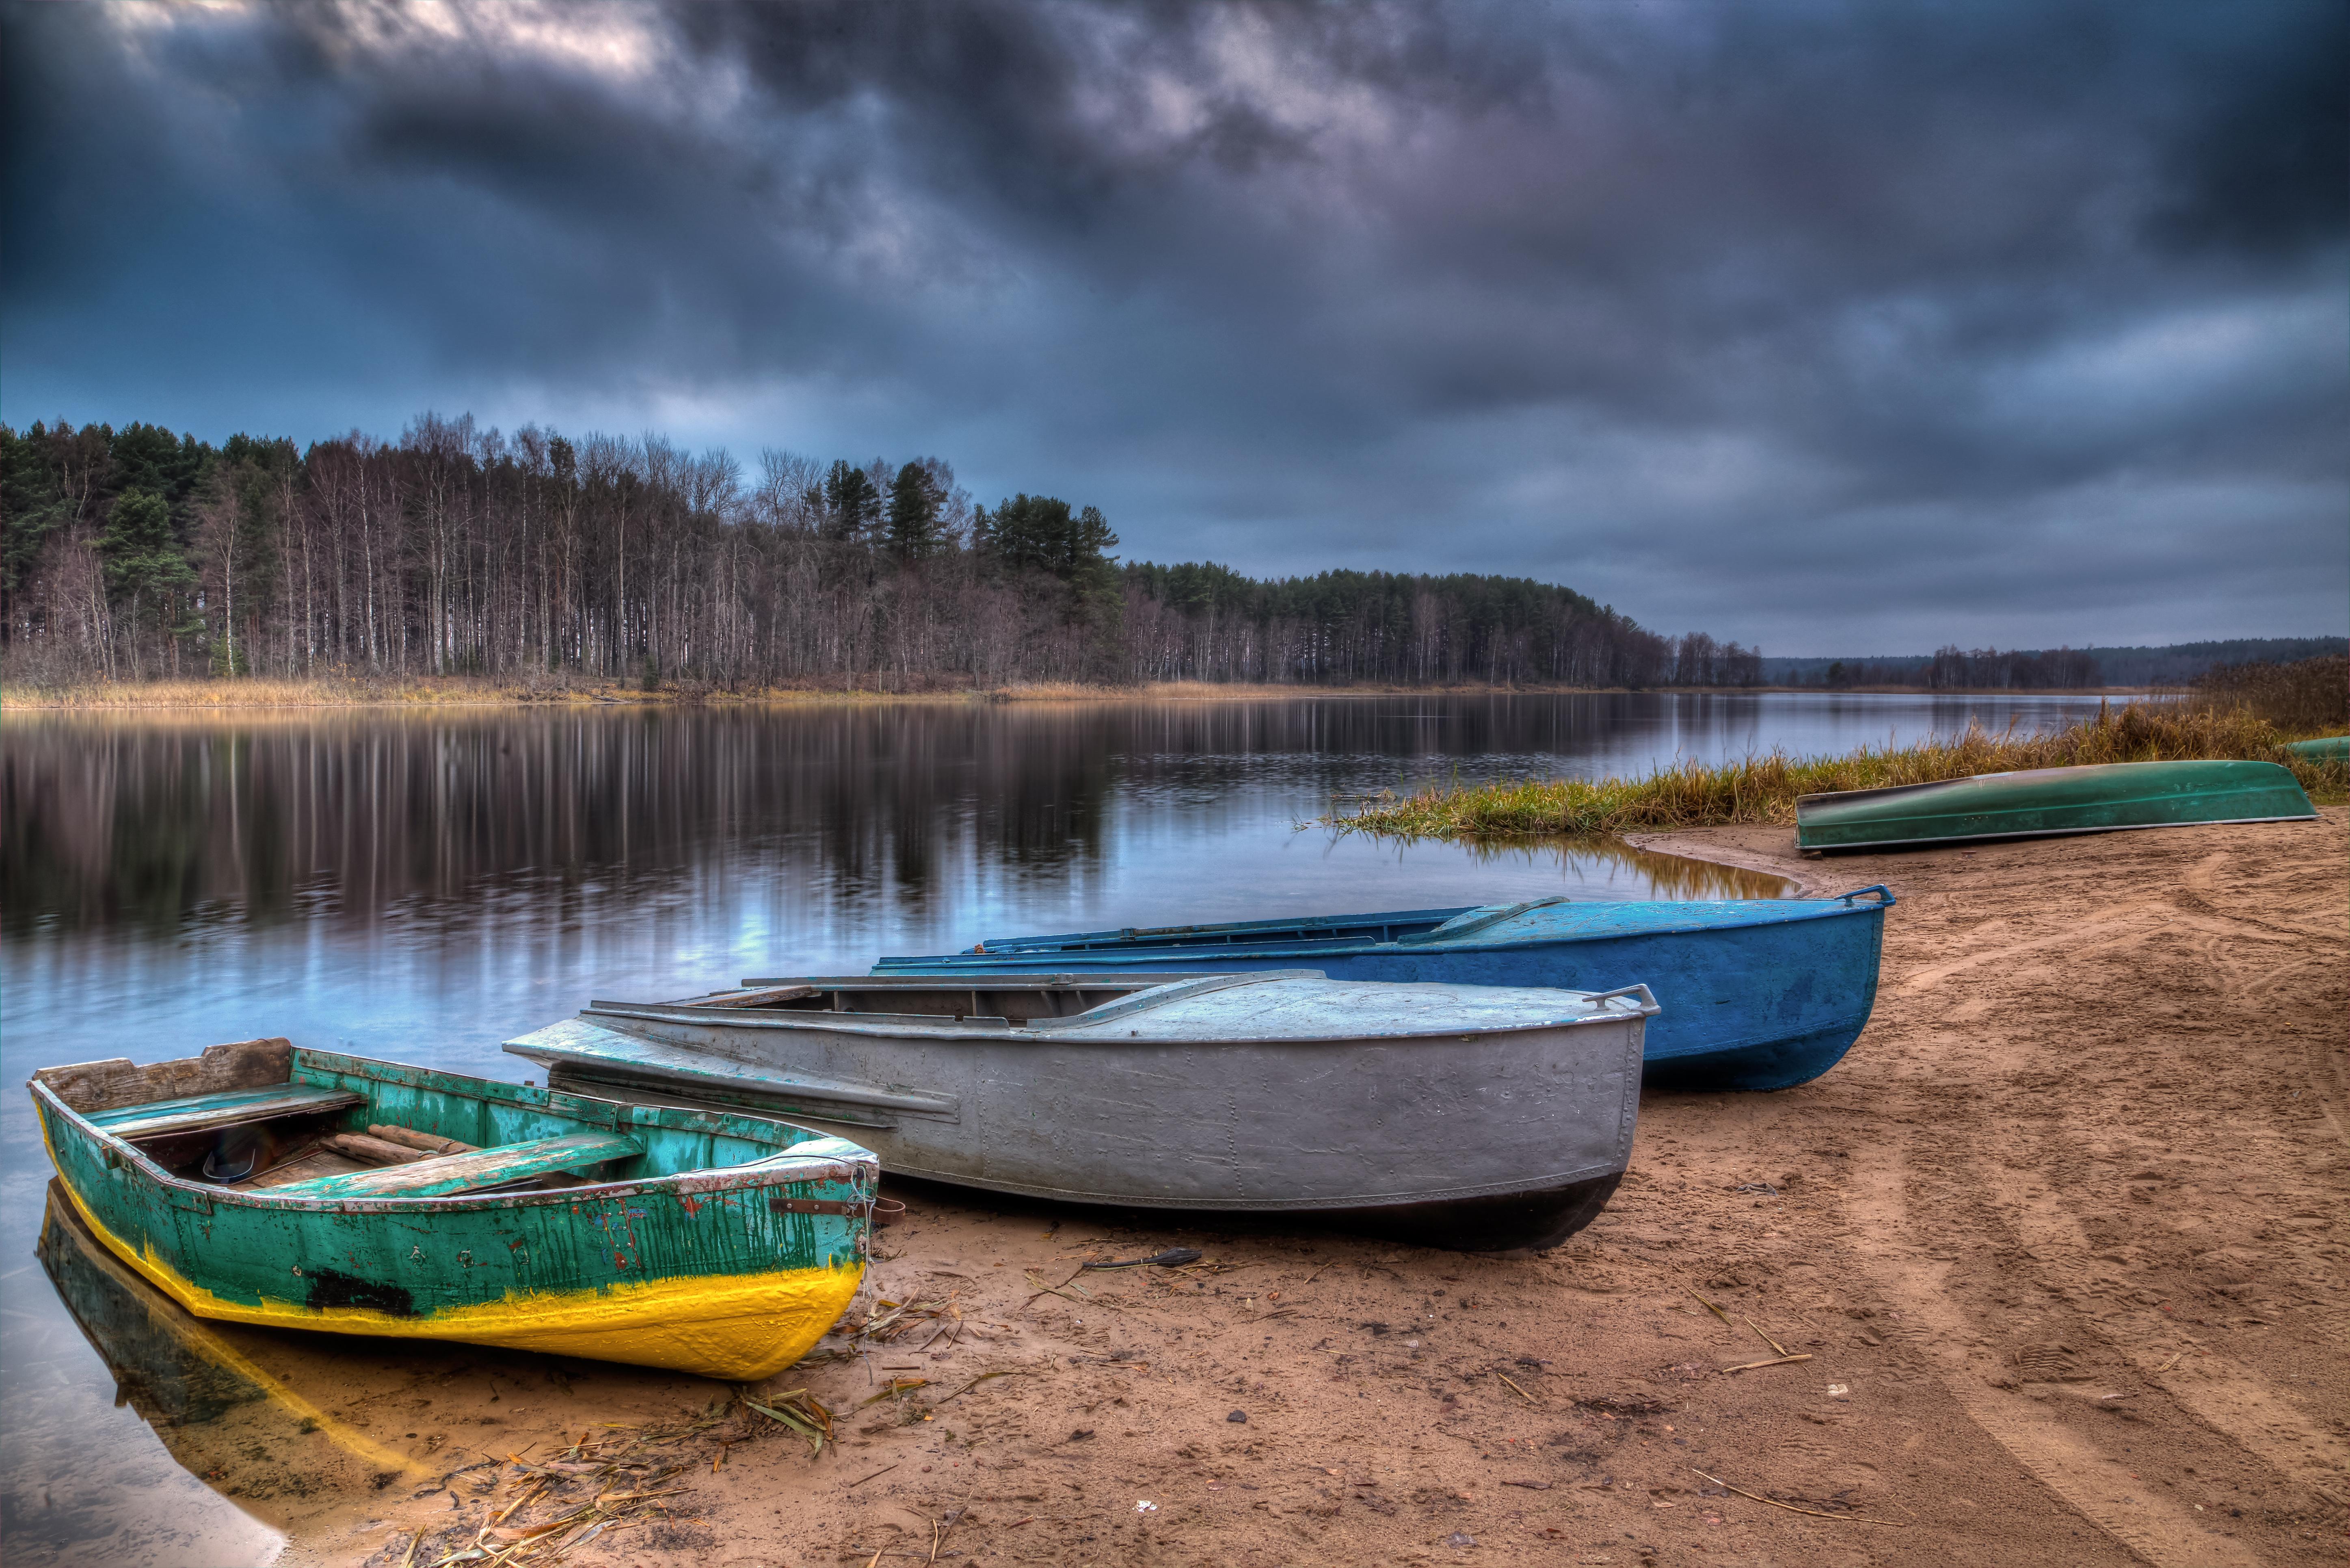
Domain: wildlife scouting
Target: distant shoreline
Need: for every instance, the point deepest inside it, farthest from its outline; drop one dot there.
(473, 691)
(1764, 789)
(463, 692)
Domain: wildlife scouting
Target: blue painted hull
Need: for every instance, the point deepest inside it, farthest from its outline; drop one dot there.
(1756, 993)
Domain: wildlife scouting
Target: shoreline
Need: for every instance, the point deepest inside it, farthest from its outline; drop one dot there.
(1764, 789)
(2040, 1288)
(472, 691)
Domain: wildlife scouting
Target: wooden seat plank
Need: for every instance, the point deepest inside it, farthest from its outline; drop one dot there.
(307, 1165)
(200, 1112)
(465, 1172)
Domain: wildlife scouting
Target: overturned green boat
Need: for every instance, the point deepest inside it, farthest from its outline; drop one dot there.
(2325, 748)
(2102, 798)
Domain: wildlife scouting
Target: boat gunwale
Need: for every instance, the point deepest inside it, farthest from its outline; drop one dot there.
(2310, 816)
(633, 1074)
(1148, 993)
(758, 1173)
(903, 966)
(928, 1027)
(1123, 936)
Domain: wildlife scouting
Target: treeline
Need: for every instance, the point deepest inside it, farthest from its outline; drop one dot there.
(135, 553)
(2308, 696)
(2180, 662)
(2068, 668)
(1208, 622)
(1955, 668)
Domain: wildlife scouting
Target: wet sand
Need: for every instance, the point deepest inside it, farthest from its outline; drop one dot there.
(2060, 1239)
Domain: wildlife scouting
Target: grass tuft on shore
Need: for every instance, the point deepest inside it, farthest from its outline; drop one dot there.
(1763, 789)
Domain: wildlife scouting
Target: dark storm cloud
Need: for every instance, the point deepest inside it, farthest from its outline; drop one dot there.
(1841, 327)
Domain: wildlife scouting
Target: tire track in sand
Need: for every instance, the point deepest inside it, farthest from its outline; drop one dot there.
(2125, 923)
(2093, 1483)
(2219, 1391)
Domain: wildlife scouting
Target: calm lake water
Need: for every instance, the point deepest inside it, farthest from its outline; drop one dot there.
(423, 885)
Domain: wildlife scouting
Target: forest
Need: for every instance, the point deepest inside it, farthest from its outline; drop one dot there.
(134, 553)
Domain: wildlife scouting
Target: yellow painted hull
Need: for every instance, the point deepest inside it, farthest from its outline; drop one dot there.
(741, 1328)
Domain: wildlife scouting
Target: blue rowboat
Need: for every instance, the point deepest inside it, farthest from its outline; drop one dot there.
(1757, 993)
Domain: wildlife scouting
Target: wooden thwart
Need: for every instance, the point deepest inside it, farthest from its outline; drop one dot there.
(205, 1113)
(464, 1172)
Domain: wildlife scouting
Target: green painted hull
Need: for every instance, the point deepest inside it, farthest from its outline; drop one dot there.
(2045, 801)
(2325, 749)
(728, 1235)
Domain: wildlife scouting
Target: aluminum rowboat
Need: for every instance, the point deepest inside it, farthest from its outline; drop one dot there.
(1465, 1117)
(1758, 993)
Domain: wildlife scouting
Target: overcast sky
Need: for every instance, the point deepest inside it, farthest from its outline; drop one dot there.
(1844, 328)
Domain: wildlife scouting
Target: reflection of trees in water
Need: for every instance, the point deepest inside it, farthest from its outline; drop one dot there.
(118, 822)
(149, 820)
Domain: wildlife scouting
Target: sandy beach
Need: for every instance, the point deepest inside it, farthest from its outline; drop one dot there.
(2049, 1271)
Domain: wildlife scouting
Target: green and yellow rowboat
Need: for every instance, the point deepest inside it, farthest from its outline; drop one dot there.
(2325, 748)
(261, 1184)
(2102, 798)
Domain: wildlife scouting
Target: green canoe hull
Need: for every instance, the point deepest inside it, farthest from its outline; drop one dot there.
(2325, 748)
(2047, 801)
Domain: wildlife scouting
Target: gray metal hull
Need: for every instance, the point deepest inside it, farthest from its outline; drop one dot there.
(1477, 1140)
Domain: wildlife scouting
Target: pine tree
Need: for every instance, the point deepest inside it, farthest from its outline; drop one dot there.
(913, 514)
(32, 504)
(852, 504)
(144, 563)
(1038, 532)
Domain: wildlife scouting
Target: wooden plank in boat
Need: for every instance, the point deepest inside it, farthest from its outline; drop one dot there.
(307, 1165)
(201, 1112)
(767, 997)
(465, 1172)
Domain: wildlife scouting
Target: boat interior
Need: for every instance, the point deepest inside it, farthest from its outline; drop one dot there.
(1010, 999)
(262, 1116)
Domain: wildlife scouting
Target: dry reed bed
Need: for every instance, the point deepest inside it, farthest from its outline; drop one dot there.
(264, 691)
(1763, 789)
(423, 691)
(463, 690)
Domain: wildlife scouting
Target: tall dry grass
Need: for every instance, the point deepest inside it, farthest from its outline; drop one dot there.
(416, 692)
(444, 690)
(329, 692)
(2311, 696)
(1764, 789)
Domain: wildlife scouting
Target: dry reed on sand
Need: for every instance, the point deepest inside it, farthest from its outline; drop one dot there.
(1764, 789)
